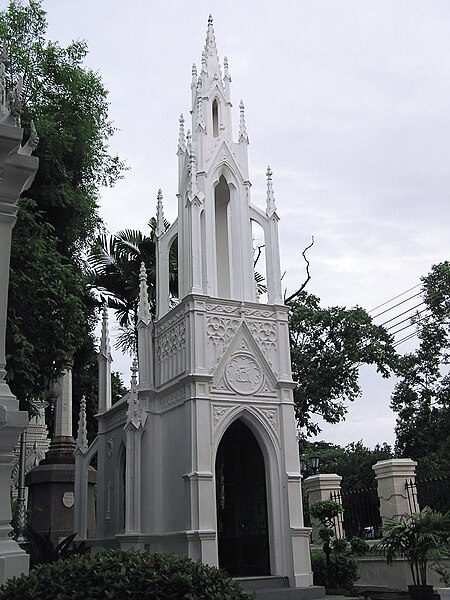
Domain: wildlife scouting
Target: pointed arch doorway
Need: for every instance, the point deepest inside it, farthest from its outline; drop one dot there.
(241, 502)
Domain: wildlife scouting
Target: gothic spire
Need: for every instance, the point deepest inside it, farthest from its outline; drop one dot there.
(271, 208)
(144, 314)
(181, 136)
(82, 443)
(105, 348)
(159, 215)
(210, 57)
(134, 405)
(243, 137)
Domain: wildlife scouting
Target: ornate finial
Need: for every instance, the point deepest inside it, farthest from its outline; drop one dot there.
(271, 209)
(31, 145)
(210, 20)
(82, 443)
(189, 141)
(181, 136)
(104, 339)
(243, 137)
(194, 70)
(134, 370)
(225, 68)
(159, 215)
(203, 62)
(200, 115)
(134, 406)
(144, 313)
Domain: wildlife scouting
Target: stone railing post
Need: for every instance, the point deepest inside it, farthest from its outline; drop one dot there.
(391, 478)
(320, 487)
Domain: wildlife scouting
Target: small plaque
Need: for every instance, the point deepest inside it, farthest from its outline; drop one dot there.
(68, 499)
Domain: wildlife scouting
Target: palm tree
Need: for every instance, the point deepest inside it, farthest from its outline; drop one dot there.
(115, 263)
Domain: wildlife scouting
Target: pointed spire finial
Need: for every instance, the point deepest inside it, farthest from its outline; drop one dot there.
(82, 443)
(226, 74)
(243, 137)
(105, 348)
(189, 141)
(270, 206)
(159, 215)
(181, 135)
(144, 313)
(134, 370)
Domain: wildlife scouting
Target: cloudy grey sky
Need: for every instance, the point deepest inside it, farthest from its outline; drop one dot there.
(347, 100)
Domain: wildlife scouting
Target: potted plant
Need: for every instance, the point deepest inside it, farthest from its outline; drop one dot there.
(419, 538)
(444, 574)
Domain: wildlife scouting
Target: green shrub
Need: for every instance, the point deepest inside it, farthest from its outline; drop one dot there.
(117, 575)
(359, 546)
(341, 575)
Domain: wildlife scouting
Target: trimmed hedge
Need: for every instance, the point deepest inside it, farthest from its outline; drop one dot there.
(117, 575)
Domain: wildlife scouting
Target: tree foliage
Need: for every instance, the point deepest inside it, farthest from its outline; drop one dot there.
(327, 347)
(421, 397)
(352, 462)
(49, 311)
(115, 263)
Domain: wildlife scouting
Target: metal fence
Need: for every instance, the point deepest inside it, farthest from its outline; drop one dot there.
(361, 516)
(433, 492)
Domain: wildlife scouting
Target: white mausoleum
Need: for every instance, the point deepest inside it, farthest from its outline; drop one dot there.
(201, 456)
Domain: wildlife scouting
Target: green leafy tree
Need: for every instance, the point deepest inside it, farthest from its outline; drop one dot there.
(352, 462)
(327, 347)
(421, 397)
(50, 313)
(115, 262)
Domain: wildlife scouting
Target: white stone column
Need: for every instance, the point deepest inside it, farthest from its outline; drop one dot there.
(17, 171)
(391, 477)
(320, 487)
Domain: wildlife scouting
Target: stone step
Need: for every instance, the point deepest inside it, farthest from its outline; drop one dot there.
(277, 588)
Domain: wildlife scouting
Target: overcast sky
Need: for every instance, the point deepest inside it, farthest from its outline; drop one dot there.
(348, 102)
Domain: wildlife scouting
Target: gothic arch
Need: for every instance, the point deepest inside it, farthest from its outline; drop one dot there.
(274, 475)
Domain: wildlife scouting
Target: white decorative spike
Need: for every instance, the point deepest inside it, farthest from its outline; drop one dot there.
(203, 62)
(181, 136)
(134, 406)
(226, 74)
(270, 206)
(105, 348)
(189, 141)
(82, 442)
(243, 137)
(144, 313)
(194, 74)
(159, 215)
(200, 115)
(210, 62)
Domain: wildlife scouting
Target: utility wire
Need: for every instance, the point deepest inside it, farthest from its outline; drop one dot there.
(419, 312)
(407, 326)
(405, 339)
(398, 304)
(394, 298)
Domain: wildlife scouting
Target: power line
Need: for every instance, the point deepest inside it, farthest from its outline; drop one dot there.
(405, 339)
(407, 326)
(398, 304)
(394, 298)
(419, 312)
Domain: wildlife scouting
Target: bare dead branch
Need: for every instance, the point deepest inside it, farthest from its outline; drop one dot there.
(258, 251)
(308, 275)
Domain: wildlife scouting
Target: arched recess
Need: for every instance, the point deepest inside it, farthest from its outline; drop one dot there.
(246, 519)
(222, 237)
(215, 117)
(167, 251)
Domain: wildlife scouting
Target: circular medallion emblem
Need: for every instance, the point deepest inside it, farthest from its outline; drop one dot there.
(243, 374)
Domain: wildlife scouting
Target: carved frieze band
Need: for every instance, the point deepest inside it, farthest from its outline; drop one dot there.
(172, 341)
(118, 418)
(173, 399)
